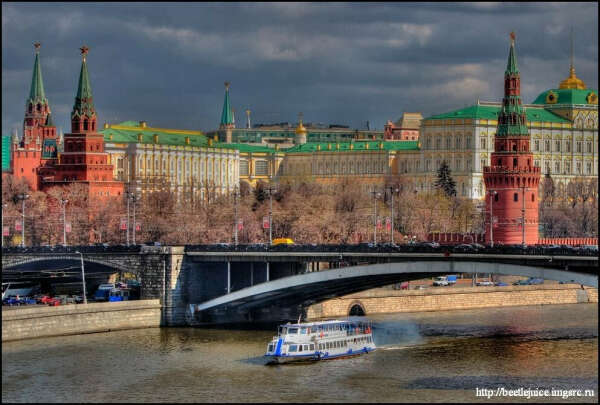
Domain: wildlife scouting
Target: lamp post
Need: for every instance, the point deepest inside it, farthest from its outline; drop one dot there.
(235, 196)
(392, 191)
(3, 206)
(82, 277)
(64, 206)
(23, 197)
(127, 193)
(134, 198)
(271, 190)
(523, 217)
(492, 196)
(375, 195)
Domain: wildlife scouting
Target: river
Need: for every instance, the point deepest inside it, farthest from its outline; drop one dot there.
(422, 357)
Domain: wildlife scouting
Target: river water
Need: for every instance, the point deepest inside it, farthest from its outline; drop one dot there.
(422, 357)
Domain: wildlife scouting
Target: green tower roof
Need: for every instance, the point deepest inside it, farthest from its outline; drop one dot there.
(83, 99)
(37, 84)
(511, 66)
(226, 115)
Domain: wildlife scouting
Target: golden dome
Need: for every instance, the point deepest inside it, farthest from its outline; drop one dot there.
(572, 82)
(300, 128)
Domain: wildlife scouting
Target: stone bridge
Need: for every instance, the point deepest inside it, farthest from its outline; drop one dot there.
(199, 284)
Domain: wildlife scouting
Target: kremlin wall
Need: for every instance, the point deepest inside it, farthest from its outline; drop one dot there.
(497, 151)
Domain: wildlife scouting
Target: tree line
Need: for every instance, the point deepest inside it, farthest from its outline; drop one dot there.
(305, 211)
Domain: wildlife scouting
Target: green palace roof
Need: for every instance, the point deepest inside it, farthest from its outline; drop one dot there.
(488, 112)
(128, 131)
(357, 146)
(566, 96)
(243, 147)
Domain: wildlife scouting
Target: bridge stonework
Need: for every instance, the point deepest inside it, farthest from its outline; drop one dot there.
(158, 269)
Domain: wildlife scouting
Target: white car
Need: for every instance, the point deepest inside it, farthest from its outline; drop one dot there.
(440, 281)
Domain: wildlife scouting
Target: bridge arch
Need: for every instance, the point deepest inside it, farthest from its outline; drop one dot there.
(35, 262)
(316, 287)
(356, 308)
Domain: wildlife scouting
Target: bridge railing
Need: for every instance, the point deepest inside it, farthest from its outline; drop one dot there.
(426, 247)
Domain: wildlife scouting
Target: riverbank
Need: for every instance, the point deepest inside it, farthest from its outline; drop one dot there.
(382, 300)
(41, 321)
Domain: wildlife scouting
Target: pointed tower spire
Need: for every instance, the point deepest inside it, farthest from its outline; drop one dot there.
(226, 115)
(36, 93)
(572, 82)
(83, 116)
(511, 66)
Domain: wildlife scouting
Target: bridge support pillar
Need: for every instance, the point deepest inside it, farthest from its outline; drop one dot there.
(228, 277)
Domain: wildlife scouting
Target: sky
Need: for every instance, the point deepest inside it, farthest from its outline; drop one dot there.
(337, 63)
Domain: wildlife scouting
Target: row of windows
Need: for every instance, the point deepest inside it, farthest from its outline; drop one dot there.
(448, 144)
(343, 167)
(567, 146)
(566, 167)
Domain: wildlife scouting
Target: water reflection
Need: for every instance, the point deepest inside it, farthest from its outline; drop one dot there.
(423, 357)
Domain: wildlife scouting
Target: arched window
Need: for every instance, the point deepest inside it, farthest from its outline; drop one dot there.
(85, 124)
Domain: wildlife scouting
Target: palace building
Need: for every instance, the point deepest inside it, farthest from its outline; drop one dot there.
(562, 124)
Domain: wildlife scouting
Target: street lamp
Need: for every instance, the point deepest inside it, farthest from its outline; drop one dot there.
(23, 197)
(392, 191)
(3, 206)
(235, 197)
(376, 194)
(492, 194)
(64, 205)
(271, 190)
(133, 197)
(82, 277)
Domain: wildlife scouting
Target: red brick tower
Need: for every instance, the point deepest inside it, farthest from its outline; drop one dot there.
(84, 159)
(38, 148)
(512, 180)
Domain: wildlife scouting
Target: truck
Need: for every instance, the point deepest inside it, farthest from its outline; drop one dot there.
(103, 291)
(443, 281)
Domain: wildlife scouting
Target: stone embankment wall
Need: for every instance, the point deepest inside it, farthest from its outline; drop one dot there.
(378, 301)
(41, 321)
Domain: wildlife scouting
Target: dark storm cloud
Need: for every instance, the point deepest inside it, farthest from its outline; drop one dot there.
(337, 63)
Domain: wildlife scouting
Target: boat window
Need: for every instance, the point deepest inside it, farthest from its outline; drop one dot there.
(312, 346)
(293, 348)
(270, 348)
(299, 348)
(306, 347)
(292, 331)
(320, 346)
(303, 331)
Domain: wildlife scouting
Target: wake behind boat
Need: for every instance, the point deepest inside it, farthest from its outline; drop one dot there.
(320, 341)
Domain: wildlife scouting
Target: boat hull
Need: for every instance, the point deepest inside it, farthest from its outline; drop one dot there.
(272, 359)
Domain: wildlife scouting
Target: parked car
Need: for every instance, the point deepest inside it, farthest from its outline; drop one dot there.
(440, 281)
(536, 281)
(464, 248)
(420, 287)
(500, 284)
(485, 283)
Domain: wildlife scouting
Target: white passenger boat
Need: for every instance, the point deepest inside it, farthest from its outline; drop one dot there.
(320, 341)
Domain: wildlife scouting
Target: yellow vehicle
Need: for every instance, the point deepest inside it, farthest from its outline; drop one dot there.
(283, 241)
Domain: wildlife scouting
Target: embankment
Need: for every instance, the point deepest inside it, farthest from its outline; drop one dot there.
(40, 321)
(379, 301)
